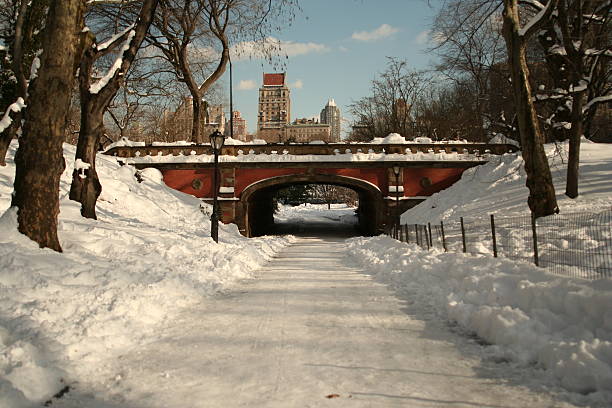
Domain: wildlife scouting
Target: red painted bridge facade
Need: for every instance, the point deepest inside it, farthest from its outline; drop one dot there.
(250, 175)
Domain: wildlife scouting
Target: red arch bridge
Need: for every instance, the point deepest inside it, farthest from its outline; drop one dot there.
(251, 174)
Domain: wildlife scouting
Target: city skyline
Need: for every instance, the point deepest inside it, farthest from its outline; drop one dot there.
(334, 50)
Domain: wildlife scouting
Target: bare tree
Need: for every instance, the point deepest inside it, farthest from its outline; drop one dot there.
(542, 200)
(96, 97)
(577, 46)
(21, 27)
(391, 106)
(39, 159)
(467, 37)
(182, 25)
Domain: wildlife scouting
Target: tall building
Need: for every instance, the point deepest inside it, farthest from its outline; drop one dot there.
(240, 126)
(330, 115)
(274, 111)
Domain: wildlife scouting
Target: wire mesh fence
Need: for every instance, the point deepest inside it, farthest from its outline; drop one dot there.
(576, 245)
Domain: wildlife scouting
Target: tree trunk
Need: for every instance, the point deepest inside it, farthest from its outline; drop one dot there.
(86, 187)
(196, 136)
(39, 159)
(7, 136)
(573, 163)
(542, 200)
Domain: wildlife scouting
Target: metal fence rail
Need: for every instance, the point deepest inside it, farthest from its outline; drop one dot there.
(576, 245)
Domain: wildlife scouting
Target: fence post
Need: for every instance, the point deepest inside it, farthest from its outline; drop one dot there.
(407, 233)
(493, 234)
(463, 235)
(535, 240)
(443, 237)
(416, 234)
(400, 232)
(429, 231)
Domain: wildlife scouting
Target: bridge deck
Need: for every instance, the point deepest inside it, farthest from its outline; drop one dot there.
(246, 152)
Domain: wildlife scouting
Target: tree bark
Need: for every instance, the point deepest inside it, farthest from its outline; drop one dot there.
(196, 136)
(573, 161)
(22, 34)
(39, 159)
(86, 187)
(542, 200)
(7, 135)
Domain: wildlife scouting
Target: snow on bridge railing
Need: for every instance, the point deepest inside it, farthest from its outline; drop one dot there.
(327, 149)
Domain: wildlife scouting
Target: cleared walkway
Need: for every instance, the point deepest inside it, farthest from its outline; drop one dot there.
(313, 331)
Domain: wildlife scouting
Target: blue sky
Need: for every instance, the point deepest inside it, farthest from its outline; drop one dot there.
(335, 48)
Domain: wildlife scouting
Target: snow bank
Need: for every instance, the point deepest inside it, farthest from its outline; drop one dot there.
(337, 213)
(560, 324)
(148, 256)
(498, 187)
(529, 316)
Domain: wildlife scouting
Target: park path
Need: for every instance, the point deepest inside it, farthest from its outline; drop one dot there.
(313, 326)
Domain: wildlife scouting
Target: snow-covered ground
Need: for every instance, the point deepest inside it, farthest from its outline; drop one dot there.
(531, 318)
(66, 318)
(147, 257)
(313, 213)
(498, 187)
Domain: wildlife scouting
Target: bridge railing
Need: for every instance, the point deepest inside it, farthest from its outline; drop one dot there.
(574, 245)
(477, 149)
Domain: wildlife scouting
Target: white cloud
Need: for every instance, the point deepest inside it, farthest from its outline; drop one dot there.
(423, 37)
(343, 49)
(438, 37)
(383, 31)
(246, 85)
(274, 46)
(297, 84)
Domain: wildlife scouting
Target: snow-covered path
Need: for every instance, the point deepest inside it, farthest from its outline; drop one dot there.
(311, 326)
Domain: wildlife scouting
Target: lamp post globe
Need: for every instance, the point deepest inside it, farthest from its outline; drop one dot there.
(216, 142)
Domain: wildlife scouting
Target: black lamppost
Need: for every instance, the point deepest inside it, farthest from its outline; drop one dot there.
(216, 142)
(231, 102)
(396, 171)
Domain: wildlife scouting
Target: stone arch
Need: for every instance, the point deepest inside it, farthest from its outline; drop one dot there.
(256, 206)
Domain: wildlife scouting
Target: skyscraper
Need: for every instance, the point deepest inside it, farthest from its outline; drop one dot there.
(274, 108)
(330, 115)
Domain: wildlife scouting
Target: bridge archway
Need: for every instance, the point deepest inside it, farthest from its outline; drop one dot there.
(256, 201)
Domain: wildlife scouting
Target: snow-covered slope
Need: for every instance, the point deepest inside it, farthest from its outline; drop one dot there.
(498, 187)
(148, 255)
(530, 317)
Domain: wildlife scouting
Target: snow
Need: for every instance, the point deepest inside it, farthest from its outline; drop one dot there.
(531, 317)
(147, 257)
(315, 213)
(281, 155)
(102, 82)
(124, 141)
(110, 41)
(125, 313)
(14, 107)
(390, 138)
(35, 66)
(80, 166)
(535, 19)
(498, 187)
